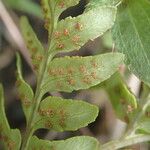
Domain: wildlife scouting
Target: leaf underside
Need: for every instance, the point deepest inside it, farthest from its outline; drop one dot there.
(72, 33)
(25, 93)
(123, 101)
(75, 73)
(64, 114)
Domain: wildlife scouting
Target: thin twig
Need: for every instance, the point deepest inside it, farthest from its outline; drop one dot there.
(115, 145)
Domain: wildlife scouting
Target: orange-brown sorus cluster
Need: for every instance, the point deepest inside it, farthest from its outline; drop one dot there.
(61, 4)
(129, 109)
(60, 71)
(71, 81)
(47, 112)
(82, 69)
(25, 101)
(46, 14)
(75, 39)
(78, 26)
(10, 144)
(36, 58)
(94, 64)
(63, 117)
(48, 124)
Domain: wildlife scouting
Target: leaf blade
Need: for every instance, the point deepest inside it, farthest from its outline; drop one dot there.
(11, 138)
(62, 115)
(74, 73)
(24, 90)
(123, 101)
(72, 33)
(34, 46)
(82, 142)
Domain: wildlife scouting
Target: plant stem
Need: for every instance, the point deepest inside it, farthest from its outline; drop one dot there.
(36, 102)
(114, 145)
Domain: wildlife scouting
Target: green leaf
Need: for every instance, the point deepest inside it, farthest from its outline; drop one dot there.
(94, 3)
(47, 12)
(72, 33)
(11, 138)
(123, 101)
(74, 73)
(131, 35)
(64, 114)
(52, 10)
(143, 127)
(33, 44)
(24, 91)
(75, 143)
(27, 6)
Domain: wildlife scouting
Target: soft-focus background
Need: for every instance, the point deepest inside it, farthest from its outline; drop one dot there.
(107, 126)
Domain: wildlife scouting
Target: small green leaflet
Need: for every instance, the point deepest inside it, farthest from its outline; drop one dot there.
(11, 138)
(64, 114)
(52, 10)
(75, 73)
(123, 101)
(72, 33)
(75, 143)
(33, 44)
(132, 36)
(24, 90)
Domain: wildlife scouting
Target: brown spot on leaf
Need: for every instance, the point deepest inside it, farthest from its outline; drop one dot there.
(57, 34)
(87, 79)
(71, 82)
(61, 71)
(60, 46)
(47, 112)
(78, 26)
(52, 72)
(93, 75)
(39, 58)
(66, 32)
(82, 69)
(94, 64)
(59, 85)
(76, 39)
(26, 103)
(34, 49)
(70, 71)
(129, 109)
(61, 4)
(11, 145)
(48, 124)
